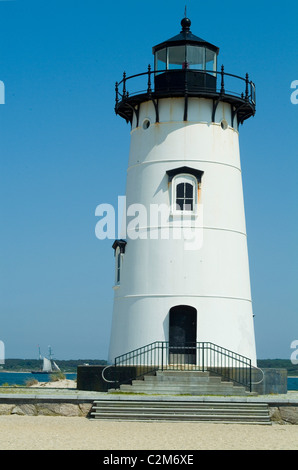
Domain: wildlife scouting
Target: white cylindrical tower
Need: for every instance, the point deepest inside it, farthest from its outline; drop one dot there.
(182, 270)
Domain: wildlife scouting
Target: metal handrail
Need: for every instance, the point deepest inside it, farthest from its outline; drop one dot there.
(199, 356)
(248, 94)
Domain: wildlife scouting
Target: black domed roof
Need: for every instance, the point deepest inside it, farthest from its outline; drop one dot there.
(185, 37)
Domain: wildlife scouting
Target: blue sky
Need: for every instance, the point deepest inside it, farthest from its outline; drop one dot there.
(63, 151)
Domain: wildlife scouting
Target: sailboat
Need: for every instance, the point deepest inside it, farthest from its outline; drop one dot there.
(48, 365)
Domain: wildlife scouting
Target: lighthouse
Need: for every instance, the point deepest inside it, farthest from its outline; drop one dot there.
(181, 262)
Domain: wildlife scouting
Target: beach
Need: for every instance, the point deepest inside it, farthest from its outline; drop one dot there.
(41, 432)
(78, 433)
(62, 383)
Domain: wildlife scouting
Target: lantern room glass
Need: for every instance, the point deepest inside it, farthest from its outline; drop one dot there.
(195, 57)
(176, 57)
(186, 57)
(211, 61)
(161, 59)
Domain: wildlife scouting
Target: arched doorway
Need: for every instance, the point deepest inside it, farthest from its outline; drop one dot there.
(182, 335)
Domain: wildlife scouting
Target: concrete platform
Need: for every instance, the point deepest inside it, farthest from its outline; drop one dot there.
(8, 394)
(265, 381)
(282, 409)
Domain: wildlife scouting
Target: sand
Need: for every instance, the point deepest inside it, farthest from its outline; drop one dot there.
(78, 433)
(68, 433)
(63, 383)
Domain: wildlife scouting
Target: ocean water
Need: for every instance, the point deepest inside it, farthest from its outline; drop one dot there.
(20, 378)
(292, 383)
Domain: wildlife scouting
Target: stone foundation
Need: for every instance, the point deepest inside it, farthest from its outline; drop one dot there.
(46, 409)
(284, 414)
(273, 381)
(278, 414)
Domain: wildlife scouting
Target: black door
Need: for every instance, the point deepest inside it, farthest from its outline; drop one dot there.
(183, 335)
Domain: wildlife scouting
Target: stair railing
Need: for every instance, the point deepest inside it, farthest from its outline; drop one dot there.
(200, 356)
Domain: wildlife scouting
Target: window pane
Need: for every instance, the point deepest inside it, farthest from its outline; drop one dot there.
(185, 193)
(195, 57)
(188, 206)
(179, 204)
(210, 60)
(161, 59)
(176, 57)
(188, 190)
(180, 190)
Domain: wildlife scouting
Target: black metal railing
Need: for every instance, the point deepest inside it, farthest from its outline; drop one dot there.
(225, 84)
(202, 356)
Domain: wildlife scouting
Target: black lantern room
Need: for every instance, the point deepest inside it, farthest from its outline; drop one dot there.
(185, 66)
(177, 58)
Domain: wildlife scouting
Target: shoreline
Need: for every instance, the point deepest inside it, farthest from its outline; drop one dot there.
(15, 372)
(30, 372)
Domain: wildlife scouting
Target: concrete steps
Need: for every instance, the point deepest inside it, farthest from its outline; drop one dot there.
(183, 383)
(178, 411)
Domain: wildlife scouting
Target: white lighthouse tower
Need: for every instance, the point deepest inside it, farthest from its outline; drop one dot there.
(181, 263)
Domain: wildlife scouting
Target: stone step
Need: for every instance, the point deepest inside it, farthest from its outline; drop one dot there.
(134, 410)
(173, 382)
(182, 373)
(179, 404)
(178, 383)
(221, 389)
(200, 393)
(180, 411)
(181, 392)
(165, 417)
(179, 388)
(182, 379)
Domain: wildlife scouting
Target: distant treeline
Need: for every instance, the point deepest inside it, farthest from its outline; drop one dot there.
(279, 364)
(27, 365)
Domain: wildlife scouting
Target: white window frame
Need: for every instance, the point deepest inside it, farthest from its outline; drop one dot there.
(184, 178)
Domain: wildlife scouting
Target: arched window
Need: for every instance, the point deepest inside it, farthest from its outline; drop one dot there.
(186, 183)
(184, 194)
